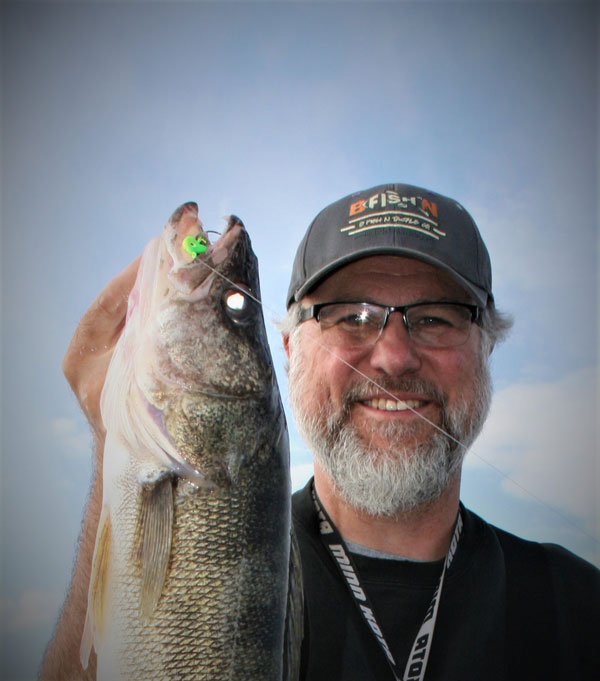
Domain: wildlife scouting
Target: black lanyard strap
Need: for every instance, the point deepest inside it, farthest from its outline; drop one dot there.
(419, 655)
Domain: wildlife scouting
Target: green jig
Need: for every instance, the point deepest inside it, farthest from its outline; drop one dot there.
(194, 246)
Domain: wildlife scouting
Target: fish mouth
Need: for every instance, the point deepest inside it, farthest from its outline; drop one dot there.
(192, 255)
(185, 223)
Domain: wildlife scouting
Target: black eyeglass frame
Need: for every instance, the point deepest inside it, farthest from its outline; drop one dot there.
(313, 311)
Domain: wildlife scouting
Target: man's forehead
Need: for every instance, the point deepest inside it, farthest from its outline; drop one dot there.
(379, 272)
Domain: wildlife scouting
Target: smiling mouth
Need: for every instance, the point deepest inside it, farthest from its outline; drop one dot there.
(393, 405)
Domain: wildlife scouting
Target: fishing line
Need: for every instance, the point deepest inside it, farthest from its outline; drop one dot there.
(506, 476)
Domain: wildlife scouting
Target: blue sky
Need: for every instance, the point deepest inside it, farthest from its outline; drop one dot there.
(115, 113)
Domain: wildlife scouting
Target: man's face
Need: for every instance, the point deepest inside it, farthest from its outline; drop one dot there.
(361, 436)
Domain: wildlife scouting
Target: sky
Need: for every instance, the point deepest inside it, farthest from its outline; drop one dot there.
(115, 113)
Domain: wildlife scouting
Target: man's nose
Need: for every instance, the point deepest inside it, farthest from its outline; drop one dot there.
(395, 353)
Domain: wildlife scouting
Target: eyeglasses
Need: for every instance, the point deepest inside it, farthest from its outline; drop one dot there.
(355, 325)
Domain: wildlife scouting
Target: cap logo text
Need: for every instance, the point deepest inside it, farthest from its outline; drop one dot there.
(390, 209)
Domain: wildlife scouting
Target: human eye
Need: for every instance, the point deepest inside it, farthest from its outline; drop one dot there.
(438, 316)
(429, 321)
(355, 318)
(342, 314)
(348, 317)
(439, 324)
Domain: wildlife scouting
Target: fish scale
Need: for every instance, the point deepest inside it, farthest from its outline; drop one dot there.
(195, 572)
(205, 602)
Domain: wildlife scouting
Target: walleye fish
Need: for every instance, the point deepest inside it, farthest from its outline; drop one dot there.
(195, 574)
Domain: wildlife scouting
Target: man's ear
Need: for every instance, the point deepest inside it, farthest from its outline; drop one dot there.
(286, 344)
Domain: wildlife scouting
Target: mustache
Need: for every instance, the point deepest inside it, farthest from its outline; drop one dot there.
(365, 390)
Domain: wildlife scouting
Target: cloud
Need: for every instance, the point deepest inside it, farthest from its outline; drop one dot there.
(543, 436)
(33, 608)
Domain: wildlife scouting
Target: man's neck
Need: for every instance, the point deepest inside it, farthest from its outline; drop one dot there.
(422, 534)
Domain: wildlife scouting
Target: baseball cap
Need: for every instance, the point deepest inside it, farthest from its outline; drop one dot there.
(393, 219)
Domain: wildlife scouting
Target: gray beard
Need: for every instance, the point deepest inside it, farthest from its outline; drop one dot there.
(396, 478)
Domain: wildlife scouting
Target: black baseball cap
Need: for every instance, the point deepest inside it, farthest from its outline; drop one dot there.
(393, 219)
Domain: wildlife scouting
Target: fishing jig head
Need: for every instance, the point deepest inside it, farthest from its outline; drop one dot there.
(193, 245)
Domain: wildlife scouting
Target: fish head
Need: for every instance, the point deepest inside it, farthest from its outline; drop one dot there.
(203, 380)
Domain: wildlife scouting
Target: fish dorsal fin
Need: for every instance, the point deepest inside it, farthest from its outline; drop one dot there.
(157, 532)
(94, 619)
(294, 621)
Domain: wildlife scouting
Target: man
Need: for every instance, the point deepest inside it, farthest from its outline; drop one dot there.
(391, 321)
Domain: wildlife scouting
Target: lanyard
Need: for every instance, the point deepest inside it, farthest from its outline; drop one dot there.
(419, 655)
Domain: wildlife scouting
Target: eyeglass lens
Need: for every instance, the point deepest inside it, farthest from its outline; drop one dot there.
(360, 324)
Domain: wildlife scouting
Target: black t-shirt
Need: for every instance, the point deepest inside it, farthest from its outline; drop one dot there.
(510, 609)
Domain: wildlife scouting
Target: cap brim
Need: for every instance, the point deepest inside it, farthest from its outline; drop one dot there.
(480, 295)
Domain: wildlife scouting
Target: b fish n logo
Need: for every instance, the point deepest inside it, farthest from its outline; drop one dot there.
(391, 210)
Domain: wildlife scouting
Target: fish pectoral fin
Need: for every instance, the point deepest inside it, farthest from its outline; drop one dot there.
(294, 621)
(157, 533)
(94, 619)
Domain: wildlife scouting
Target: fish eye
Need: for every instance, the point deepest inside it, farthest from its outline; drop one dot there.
(236, 301)
(237, 305)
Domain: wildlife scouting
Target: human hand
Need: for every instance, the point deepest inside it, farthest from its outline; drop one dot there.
(87, 358)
